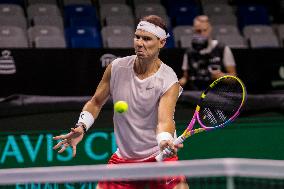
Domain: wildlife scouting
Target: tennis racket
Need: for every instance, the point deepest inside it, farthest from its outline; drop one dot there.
(218, 106)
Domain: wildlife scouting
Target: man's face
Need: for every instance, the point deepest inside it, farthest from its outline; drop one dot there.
(146, 44)
(202, 28)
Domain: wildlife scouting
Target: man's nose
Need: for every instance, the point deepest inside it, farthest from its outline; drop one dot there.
(139, 42)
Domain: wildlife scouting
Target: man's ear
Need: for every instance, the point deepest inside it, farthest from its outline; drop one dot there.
(162, 43)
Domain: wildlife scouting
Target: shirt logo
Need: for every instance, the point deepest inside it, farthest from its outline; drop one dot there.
(148, 88)
(82, 116)
(169, 181)
(215, 59)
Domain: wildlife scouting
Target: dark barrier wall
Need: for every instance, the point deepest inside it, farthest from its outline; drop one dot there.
(76, 72)
(261, 69)
(68, 72)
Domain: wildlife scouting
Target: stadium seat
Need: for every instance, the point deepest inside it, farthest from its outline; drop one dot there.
(180, 31)
(185, 41)
(11, 10)
(229, 35)
(13, 37)
(225, 30)
(55, 21)
(50, 42)
(142, 10)
(83, 37)
(18, 21)
(84, 21)
(260, 36)
(42, 10)
(46, 31)
(229, 19)
(264, 41)
(252, 15)
(233, 40)
(217, 9)
(114, 10)
(12, 15)
(252, 30)
(183, 13)
(81, 15)
(119, 42)
(125, 20)
(120, 31)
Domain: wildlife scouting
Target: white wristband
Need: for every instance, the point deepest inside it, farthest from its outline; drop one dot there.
(164, 136)
(86, 118)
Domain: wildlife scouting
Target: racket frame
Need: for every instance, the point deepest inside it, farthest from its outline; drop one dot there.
(189, 131)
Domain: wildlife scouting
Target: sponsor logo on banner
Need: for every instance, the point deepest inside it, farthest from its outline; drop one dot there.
(281, 72)
(7, 63)
(28, 150)
(106, 59)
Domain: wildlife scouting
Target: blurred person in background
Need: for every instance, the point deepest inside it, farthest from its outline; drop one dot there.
(151, 89)
(207, 60)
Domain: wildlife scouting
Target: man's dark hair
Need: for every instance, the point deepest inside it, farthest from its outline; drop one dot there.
(156, 20)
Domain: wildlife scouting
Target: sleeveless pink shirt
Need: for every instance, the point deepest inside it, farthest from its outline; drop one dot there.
(135, 130)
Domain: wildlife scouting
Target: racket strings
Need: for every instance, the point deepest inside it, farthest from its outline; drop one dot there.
(222, 102)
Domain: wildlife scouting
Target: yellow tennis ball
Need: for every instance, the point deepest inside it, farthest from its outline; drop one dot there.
(120, 106)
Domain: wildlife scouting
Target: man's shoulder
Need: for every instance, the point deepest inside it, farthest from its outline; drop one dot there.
(124, 61)
(167, 71)
(167, 68)
(219, 45)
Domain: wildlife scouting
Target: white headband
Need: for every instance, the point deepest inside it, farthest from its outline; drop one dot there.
(152, 28)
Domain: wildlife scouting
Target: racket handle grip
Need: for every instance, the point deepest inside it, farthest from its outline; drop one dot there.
(179, 140)
(164, 153)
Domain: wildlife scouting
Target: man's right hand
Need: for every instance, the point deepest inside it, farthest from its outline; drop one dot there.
(171, 147)
(70, 139)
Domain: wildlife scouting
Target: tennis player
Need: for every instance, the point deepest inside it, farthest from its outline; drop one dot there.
(151, 89)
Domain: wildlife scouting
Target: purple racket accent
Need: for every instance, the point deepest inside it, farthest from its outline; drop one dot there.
(192, 122)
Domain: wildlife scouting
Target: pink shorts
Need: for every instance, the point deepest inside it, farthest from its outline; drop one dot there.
(163, 183)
